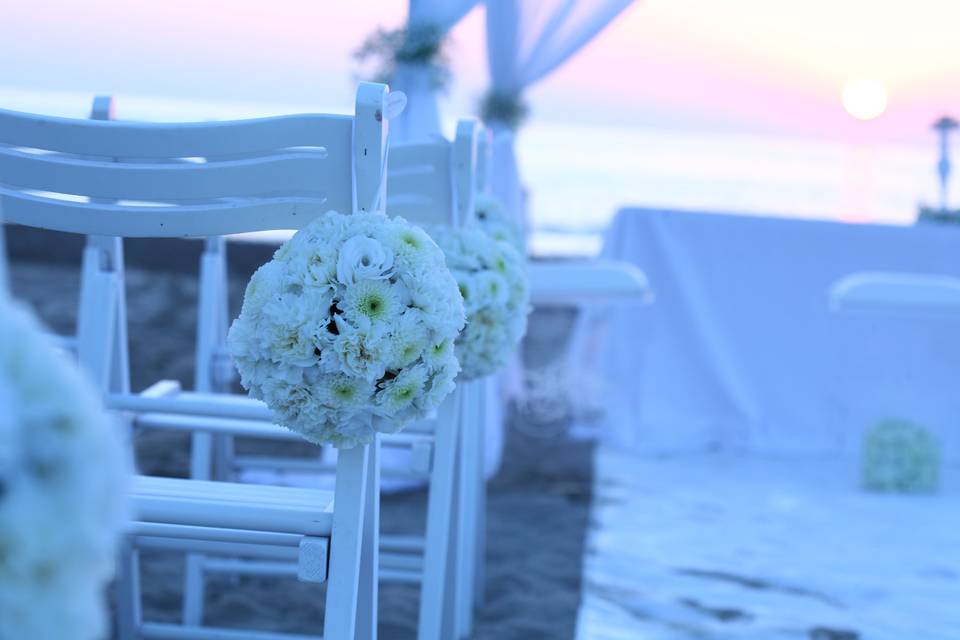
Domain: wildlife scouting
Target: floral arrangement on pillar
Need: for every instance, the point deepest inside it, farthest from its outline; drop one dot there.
(416, 46)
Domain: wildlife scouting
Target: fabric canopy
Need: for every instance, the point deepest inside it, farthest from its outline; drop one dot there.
(421, 118)
(526, 40)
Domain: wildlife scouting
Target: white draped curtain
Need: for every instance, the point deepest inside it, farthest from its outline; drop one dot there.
(526, 40)
(421, 118)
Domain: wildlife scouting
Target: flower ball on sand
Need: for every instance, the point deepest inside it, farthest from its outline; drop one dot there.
(350, 329)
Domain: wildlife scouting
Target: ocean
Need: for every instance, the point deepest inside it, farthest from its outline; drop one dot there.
(579, 175)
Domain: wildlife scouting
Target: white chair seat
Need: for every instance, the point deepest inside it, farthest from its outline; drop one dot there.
(896, 291)
(232, 506)
(587, 281)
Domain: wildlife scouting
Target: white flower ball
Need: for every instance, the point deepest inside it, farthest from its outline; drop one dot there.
(63, 481)
(347, 331)
(492, 217)
(492, 279)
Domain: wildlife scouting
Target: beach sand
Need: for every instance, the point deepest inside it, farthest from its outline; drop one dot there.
(538, 503)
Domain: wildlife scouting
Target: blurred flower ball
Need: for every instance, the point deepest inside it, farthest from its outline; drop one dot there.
(900, 456)
(63, 478)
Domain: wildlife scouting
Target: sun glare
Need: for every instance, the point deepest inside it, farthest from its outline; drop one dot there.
(865, 99)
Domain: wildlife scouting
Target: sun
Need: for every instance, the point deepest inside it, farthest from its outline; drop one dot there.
(864, 99)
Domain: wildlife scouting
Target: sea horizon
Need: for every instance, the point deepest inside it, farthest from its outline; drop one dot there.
(579, 174)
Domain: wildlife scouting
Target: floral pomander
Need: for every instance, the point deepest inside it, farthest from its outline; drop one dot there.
(492, 218)
(64, 469)
(349, 330)
(493, 282)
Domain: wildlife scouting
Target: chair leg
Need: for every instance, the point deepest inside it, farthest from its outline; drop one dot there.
(480, 528)
(369, 582)
(436, 556)
(194, 584)
(451, 620)
(203, 446)
(468, 493)
(127, 592)
(193, 577)
(347, 544)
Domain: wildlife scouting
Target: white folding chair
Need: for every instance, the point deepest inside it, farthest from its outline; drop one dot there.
(421, 177)
(429, 183)
(74, 176)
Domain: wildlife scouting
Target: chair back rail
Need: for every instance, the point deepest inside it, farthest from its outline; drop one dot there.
(151, 140)
(166, 182)
(196, 179)
(427, 179)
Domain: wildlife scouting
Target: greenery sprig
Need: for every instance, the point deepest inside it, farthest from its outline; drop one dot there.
(499, 107)
(425, 45)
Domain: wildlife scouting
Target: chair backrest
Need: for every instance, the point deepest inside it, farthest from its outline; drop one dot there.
(484, 151)
(247, 175)
(433, 182)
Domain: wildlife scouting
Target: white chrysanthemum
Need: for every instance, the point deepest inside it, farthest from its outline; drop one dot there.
(338, 333)
(63, 481)
(412, 248)
(410, 342)
(492, 280)
(373, 302)
(493, 218)
(401, 392)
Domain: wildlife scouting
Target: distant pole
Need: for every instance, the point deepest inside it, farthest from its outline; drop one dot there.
(944, 125)
(103, 108)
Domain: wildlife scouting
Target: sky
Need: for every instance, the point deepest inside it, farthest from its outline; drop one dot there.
(764, 66)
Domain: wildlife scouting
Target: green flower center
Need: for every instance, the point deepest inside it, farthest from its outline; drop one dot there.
(411, 240)
(373, 305)
(344, 392)
(405, 393)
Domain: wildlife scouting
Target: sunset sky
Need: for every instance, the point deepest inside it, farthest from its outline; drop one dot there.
(742, 65)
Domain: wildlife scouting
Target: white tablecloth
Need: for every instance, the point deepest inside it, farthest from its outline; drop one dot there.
(740, 349)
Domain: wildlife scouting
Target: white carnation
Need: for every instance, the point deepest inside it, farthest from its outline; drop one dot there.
(63, 479)
(338, 332)
(492, 280)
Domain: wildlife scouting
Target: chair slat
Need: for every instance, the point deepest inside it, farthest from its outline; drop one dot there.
(200, 220)
(295, 173)
(172, 140)
(414, 190)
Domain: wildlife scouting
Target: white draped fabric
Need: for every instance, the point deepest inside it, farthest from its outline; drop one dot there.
(526, 40)
(740, 349)
(421, 118)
